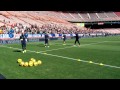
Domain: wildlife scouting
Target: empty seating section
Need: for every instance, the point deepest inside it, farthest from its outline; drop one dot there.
(93, 16)
(62, 16)
(76, 16)
(2, 18)
(117, 13)
(69, 17)
(15, 13)
(4, 13)
(29, 21)
(84, 16)
(110, 14)
(102, 15)
(17, 20)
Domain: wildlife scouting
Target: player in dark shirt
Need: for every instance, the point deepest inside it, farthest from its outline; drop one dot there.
(77, 39)
(46, 40)
(23, 40)
(64, 39)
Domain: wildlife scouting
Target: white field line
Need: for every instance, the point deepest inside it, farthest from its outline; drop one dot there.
(67, 58)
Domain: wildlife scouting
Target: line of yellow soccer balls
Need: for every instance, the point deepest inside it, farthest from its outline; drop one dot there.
(32, 62)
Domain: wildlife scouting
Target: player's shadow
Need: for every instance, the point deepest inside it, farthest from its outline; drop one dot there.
(17, 51)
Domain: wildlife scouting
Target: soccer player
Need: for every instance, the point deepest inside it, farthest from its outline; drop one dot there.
(23, 40)
(77, 39)
(46, 40)
(64, 39)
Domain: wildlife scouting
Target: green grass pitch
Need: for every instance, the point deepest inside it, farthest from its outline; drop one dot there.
(61, 61)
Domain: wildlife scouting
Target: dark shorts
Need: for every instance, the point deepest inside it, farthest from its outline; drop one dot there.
(23, 44)
(46, 40)
(64, 39)
(77, 39)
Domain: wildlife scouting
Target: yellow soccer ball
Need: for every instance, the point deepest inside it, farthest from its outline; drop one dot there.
(39, 62)
(30, 63)
(22, 63)
(26, 64)
(19, 60)
(35, 63)
(32, 59)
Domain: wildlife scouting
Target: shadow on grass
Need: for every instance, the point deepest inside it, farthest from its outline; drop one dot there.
(17, 51)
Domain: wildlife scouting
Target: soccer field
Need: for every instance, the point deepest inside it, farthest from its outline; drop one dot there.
(96, 58)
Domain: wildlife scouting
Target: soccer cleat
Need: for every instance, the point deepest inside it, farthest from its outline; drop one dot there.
(25, 51)
(74, 45)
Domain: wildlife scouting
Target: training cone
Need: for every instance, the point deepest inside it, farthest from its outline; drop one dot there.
(101, 64)
(78, 60)
(90, 62)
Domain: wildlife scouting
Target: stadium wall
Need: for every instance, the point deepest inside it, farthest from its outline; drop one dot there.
(11, 39)
(5, 39)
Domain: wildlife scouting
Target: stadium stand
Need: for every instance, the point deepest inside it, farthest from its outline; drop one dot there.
(53, 22)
